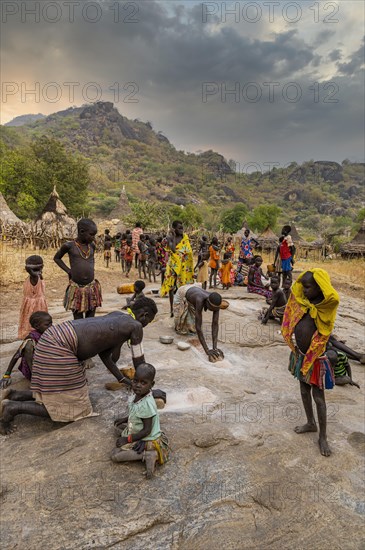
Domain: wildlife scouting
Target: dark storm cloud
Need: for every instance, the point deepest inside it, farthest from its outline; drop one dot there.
(335, 55)
(171, 54)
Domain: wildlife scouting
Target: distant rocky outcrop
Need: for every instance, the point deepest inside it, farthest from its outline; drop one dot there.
(24, 119)
(328, 171)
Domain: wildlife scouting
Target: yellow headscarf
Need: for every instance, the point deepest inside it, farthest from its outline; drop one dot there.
(324, 313)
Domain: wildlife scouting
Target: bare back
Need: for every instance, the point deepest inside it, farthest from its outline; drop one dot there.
(108, 332)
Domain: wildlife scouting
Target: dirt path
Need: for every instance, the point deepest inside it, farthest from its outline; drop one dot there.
(239, 476)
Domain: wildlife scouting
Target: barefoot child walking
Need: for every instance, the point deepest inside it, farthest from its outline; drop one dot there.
(310, 316)
(83, 294)
(34, 298)
(141, 435)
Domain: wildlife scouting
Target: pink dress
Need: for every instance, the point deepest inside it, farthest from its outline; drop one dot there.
(33, 300)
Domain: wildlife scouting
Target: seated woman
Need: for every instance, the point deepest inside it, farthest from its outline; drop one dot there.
(255, 276)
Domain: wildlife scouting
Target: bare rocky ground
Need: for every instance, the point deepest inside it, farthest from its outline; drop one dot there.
(239, 477)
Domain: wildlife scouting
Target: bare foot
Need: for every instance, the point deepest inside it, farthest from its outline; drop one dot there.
(6, 428)
(323, 447)
(171, 314)
(305, 428)
(150, 459)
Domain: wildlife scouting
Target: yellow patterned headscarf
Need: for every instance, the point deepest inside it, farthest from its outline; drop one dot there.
(324, 313)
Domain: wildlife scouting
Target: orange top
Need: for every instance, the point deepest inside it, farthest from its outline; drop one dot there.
(214, 257)
(225, 273)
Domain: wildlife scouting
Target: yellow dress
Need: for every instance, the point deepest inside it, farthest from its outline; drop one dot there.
(180, 267)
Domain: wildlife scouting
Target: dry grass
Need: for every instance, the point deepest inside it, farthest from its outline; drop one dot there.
(12, 262)
(351, 272)
(345, 272)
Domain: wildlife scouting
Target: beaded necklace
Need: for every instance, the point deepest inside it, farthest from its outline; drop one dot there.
(84, 255)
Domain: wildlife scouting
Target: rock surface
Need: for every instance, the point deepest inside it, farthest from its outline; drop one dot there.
(239, 476)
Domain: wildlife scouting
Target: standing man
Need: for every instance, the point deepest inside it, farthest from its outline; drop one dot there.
(136, 233)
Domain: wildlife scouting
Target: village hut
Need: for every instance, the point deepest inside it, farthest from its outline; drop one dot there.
(11, 227)
(303, 248)
(7, 216)
(356, 247)
(54, 226)
(268, 241)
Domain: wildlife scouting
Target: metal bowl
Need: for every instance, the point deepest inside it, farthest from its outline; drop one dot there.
(166, 339)
(155, 291)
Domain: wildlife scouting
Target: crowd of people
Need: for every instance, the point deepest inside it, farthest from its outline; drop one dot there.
(54, 357)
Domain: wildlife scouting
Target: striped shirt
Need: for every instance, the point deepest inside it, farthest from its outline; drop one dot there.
(56, 367)
(137, 231)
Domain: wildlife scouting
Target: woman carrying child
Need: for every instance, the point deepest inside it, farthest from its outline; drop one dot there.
(141, 437)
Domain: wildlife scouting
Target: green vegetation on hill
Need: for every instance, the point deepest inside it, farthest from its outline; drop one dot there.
(91, 151)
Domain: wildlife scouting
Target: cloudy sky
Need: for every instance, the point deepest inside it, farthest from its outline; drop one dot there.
(260, 82)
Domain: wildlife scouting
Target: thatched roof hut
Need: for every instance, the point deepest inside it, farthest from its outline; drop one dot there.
(268, 240)
(7, 216)
(356, 247)
(296, 238)
(54, 222)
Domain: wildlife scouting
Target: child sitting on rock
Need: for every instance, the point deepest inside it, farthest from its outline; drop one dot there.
(341, 367)
(138, 287)
(277, 305)
(140, 435)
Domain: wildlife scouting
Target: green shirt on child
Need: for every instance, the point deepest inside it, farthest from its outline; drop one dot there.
(144, 408)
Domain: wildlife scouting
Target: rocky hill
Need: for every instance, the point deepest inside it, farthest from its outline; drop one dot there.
(131, 153)
(24, 119)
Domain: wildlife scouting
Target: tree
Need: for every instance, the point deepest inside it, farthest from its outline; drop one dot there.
(233, 218)
(151, 215)
(360, 216)
(68, 171)
(264, 216)
(189, 216)
(29, 173)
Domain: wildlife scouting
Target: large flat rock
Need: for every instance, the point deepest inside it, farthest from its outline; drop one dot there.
(239, 476)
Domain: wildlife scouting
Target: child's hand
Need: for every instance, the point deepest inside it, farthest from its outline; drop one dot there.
(121, 441)
(139, 446)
